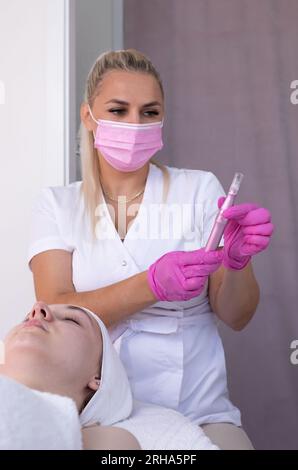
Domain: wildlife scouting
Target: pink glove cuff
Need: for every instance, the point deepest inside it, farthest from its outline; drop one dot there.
(150, 277)
(233, 264)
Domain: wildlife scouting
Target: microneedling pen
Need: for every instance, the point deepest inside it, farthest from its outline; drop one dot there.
(221, 221)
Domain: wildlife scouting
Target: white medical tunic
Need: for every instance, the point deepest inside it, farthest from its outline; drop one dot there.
(172, 351)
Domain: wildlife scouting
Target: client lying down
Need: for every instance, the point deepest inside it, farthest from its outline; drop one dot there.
(61, 373)
(62, 351)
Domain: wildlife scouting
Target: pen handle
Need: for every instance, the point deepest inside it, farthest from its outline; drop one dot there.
(219, 224)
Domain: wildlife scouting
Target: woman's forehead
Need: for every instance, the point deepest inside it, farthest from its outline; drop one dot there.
(126, 83)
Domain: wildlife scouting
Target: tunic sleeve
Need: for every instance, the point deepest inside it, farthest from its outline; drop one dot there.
(45, 233)
(213, 190)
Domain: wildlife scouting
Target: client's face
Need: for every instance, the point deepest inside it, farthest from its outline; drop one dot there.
(62, 341)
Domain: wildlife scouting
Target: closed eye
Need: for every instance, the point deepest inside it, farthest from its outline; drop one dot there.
(73, 320)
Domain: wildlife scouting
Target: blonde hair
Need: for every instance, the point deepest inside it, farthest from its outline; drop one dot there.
(130, 60)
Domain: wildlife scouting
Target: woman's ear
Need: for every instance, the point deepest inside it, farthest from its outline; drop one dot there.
(86, 116)
(94, 383)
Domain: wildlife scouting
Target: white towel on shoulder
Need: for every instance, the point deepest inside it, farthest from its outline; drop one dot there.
(33, 420)
(159, 428)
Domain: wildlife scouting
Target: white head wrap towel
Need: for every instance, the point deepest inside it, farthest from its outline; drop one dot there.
(112, 402)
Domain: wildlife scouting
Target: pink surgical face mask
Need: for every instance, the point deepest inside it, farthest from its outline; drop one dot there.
(125, 146)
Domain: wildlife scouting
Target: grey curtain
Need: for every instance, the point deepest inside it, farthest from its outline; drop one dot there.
(227, 66)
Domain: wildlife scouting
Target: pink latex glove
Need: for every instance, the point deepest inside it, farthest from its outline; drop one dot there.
(181, 275)
(247, 233)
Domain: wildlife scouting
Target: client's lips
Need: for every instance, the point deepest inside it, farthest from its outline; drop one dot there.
(33, 322)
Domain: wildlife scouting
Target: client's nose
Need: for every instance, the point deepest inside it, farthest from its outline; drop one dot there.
(40, 310)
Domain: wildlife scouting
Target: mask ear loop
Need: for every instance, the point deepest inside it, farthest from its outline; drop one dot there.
(92, 114)
(93, 119)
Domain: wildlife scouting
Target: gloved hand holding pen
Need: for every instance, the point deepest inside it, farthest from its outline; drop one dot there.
(247, 233)
(181, 275)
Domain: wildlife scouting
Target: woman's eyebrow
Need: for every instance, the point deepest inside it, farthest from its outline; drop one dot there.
(152, 103)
